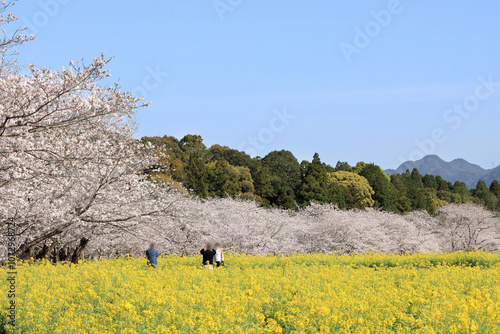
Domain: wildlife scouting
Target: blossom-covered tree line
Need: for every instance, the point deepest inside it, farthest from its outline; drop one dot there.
(243, 226)
(73, 182)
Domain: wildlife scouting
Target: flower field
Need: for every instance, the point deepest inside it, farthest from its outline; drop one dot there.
(371, 293)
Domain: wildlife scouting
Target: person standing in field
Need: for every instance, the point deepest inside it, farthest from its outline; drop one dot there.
(152, 255)
(219, 255)
(208, 255)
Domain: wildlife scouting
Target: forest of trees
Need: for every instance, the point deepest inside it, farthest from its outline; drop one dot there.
(280, 180)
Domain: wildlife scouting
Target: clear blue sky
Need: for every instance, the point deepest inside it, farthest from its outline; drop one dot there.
(227, 77)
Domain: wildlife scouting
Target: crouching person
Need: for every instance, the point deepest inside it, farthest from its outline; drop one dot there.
(208, 255)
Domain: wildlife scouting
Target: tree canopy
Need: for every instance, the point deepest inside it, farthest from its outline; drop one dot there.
(279, 180)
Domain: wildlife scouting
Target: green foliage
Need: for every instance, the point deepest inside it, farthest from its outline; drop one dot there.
(403, 203)
(495, 188)
(385, 195)
(192, 144)
(278, 180)
(233, 157)
(284, 166)
(430, 182)
(483, 193)
(461, 188)
(315, 185)
(343, 167)
(263, 184)
(415, 189)
(197, 176)
(356, 186)
(443, 186)
(226, 180)
(168, 144)
(286, 175)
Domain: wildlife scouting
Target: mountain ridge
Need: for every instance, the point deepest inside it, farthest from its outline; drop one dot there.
(456, 170)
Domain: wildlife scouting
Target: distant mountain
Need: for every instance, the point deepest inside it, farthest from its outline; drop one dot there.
(456, 170)
(492, 175)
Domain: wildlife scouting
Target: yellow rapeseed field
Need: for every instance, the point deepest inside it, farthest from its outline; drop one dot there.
(371, 293)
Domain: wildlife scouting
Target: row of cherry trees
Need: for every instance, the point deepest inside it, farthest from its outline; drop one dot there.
(243, 226)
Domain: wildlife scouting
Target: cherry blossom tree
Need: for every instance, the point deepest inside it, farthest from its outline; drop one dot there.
(468, 227)
(70, 168)
(15, 38)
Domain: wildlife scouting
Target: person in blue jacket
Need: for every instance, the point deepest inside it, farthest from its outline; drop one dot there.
(152, 255)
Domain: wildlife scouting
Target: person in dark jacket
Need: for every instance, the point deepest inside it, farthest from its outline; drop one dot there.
(152, 255)
(208, 254)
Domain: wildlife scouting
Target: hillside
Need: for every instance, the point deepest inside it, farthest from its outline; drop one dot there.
(456, 170)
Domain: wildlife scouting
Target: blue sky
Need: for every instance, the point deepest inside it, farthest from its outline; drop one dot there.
(234, 68)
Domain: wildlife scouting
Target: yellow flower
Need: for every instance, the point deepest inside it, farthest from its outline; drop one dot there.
(422, 293)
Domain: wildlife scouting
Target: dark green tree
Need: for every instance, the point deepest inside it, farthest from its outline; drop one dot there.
(342, 166)
(196, 176)
(385, 195)
(237, 158)
(461, 188)
(329, 169)
(315, 185)
(430, 182)
(450, 186)
(495, 188)
(192, 144)
(402, 203)
(263, 185)
(417, 178)
(285, 197)
(224, 179)
(284, 165)
(483, 193)
(443, 185)
(286, 176)
(415, 189)
(303, 167)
